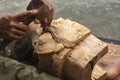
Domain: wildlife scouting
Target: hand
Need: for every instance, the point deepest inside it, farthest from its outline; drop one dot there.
(11, 26)
(38, 4)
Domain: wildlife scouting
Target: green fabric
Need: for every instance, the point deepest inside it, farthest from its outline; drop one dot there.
(10, 69)
(14, 70)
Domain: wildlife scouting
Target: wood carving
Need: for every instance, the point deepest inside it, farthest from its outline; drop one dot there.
(67, 49)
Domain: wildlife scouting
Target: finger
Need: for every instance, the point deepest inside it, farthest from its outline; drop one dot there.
(19, 26)
(17, 32)
(51, 15)
(14, 37)
(4, 22)
(23, 16)
(44, 23)
(8, 35)
(22, 27)
(49, 19)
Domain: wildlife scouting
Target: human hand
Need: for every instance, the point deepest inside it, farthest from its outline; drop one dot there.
(11, 26)
(39, 4)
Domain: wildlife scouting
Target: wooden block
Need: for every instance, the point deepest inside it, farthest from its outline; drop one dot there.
(80, 61)
(53, 63)
(69, 50)
(98, 73)
(58, 62)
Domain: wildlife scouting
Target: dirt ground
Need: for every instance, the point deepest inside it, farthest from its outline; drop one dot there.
(114, 50)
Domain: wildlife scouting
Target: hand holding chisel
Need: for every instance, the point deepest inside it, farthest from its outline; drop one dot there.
(13, 27)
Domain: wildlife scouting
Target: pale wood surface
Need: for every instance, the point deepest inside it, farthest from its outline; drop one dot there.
(82, 58)
(98, 73)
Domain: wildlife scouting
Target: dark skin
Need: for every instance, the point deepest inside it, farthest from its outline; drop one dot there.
(11, 27)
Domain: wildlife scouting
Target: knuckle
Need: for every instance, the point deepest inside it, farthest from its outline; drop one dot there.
(10, 16)
(12, 30)
(29, 13)
(11, 23)
(9, 35)
(5, 19)
(24, 27)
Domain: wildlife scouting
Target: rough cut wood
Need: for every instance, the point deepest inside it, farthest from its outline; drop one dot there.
(82, 58)
(46, 44)
(98, 73)
(68, 50)
(67, 32)
(58, 62)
